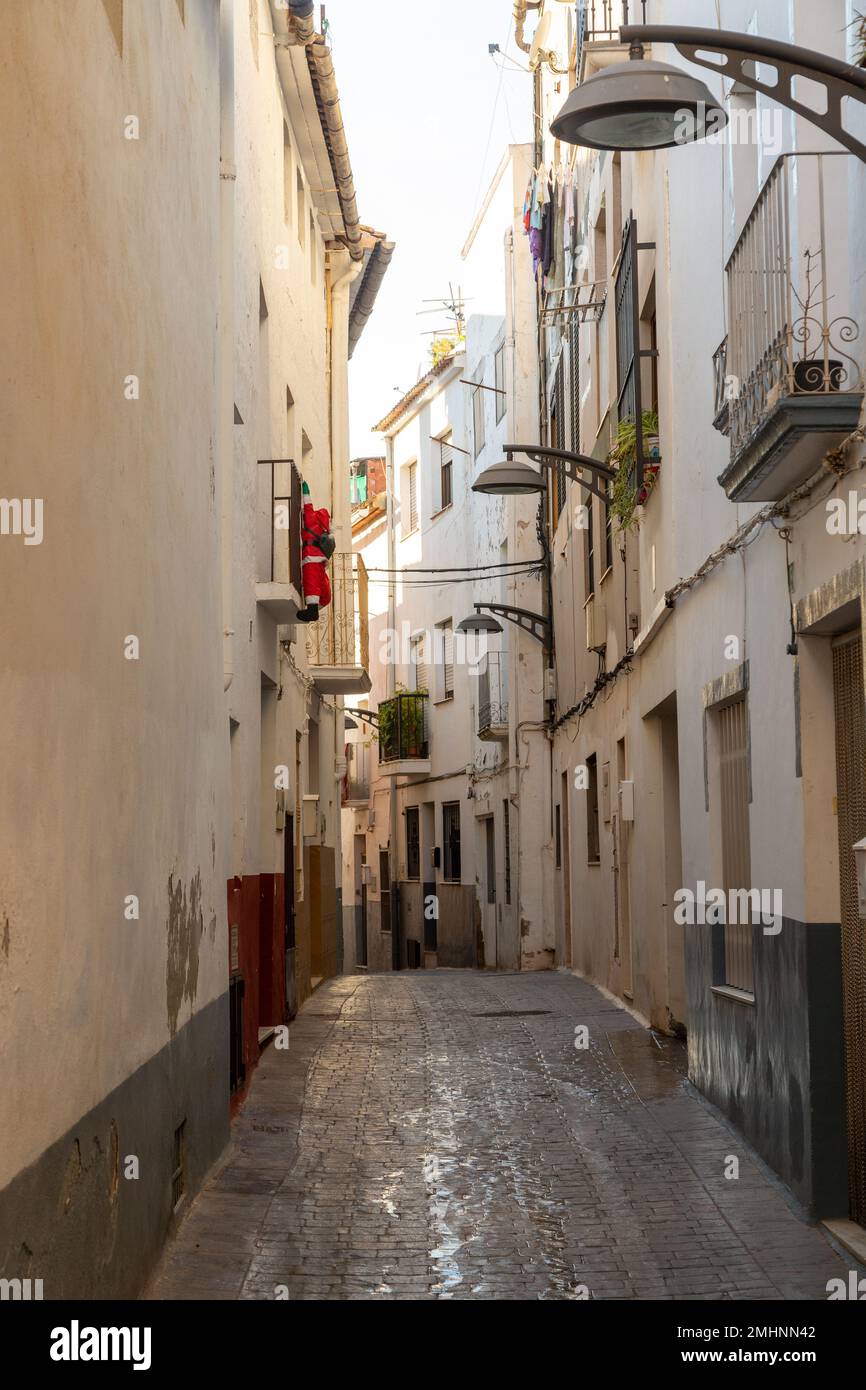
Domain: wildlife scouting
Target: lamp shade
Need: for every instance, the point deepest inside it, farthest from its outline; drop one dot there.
(638, 105)
(508, 479)
(480, 622)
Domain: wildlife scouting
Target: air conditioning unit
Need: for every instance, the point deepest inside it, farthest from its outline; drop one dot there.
(596, 625)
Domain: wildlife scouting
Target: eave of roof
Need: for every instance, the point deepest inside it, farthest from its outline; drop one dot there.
(377, 257)
(406, 402)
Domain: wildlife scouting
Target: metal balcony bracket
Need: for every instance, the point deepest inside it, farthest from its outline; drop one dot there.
(741, 52)
(534, 623)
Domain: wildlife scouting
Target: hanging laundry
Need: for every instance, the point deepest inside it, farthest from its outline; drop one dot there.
(548, 229)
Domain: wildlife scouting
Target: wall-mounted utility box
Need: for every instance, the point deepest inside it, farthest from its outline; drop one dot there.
(311, 817)
(605, 793)
(626, 800)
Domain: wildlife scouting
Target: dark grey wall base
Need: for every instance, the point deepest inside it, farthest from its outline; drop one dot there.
(73, 1219)
(776, 1068)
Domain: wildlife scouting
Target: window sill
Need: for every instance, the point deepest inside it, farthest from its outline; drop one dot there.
(447, 508)
(741, 996)
(406, 534)
(593, 863)
(607, 573)
(444, 699)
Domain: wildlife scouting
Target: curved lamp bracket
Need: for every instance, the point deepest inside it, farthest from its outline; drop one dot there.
(741, 51)
(576, 465)
(534, 623)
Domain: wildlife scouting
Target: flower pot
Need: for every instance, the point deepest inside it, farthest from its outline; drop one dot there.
(650, 474)
(809, 376)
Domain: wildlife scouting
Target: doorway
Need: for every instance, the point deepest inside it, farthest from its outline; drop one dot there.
(622, 832)
(289, 915)
(850, 738)
(360, 902)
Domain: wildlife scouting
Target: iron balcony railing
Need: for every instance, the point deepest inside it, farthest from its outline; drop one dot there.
(492, 693)
(598, 21)
(341, 637)
(279, 523)
(403, 727)
(787, 292)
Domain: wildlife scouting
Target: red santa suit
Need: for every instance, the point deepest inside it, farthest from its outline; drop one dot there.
(317, 548)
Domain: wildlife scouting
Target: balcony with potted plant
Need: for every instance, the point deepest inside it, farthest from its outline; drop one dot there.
(787, 385)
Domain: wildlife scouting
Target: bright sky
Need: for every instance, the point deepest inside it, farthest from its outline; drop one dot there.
(428, 114)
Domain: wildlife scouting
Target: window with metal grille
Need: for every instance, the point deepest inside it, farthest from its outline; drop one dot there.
(384, 890)
(445, 660)
(413, 843)
(506, 830)
(558, 441)
(628, 405)
(178, 1164)
(499, 382)
(478, 438)
(451, 841)
(593, 840)
(446, 467)
(733, 735)
(490, 847)
(411, 499)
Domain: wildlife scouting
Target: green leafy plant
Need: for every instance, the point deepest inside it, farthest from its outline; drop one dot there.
(858, 24)
(412, 729)
(625, 495)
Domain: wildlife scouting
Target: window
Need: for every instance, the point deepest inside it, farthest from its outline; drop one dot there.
(589, 547)
(558, 441)
(736, 855)
(478, 416)
(419, 676)
(302, 208)
(451, 841)
(413, 843)
(490, 847)
(178, 1164)
(499, 382)
(446, 462)
(410, 499)
(506, 816)
(444, 657)
(593, 844)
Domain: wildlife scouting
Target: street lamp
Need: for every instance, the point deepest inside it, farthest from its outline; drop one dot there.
(480, 622)
(648, 105)
(637, 106)
(534, 623)
(510, 479)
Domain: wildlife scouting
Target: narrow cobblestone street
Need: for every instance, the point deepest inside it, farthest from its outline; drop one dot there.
(439, 1135)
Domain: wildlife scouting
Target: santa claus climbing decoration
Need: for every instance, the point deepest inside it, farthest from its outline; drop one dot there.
(318, 546)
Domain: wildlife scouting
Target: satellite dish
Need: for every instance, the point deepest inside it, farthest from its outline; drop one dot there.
(539, 43)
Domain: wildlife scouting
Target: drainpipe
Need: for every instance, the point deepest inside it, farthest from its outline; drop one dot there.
(520, 9)
(225, 348)
(391, 687)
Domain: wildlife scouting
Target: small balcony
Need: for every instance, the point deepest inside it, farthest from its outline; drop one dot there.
(404, 747)
(338, 645)
(493, 696)
(278, 539)
(787, 387)
(598, 24)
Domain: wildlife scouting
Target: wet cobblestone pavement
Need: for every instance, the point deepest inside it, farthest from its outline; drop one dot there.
(438, 1135)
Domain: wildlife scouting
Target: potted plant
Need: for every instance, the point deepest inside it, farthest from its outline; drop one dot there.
(811, 372)
(402, 731)
(625, 496)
